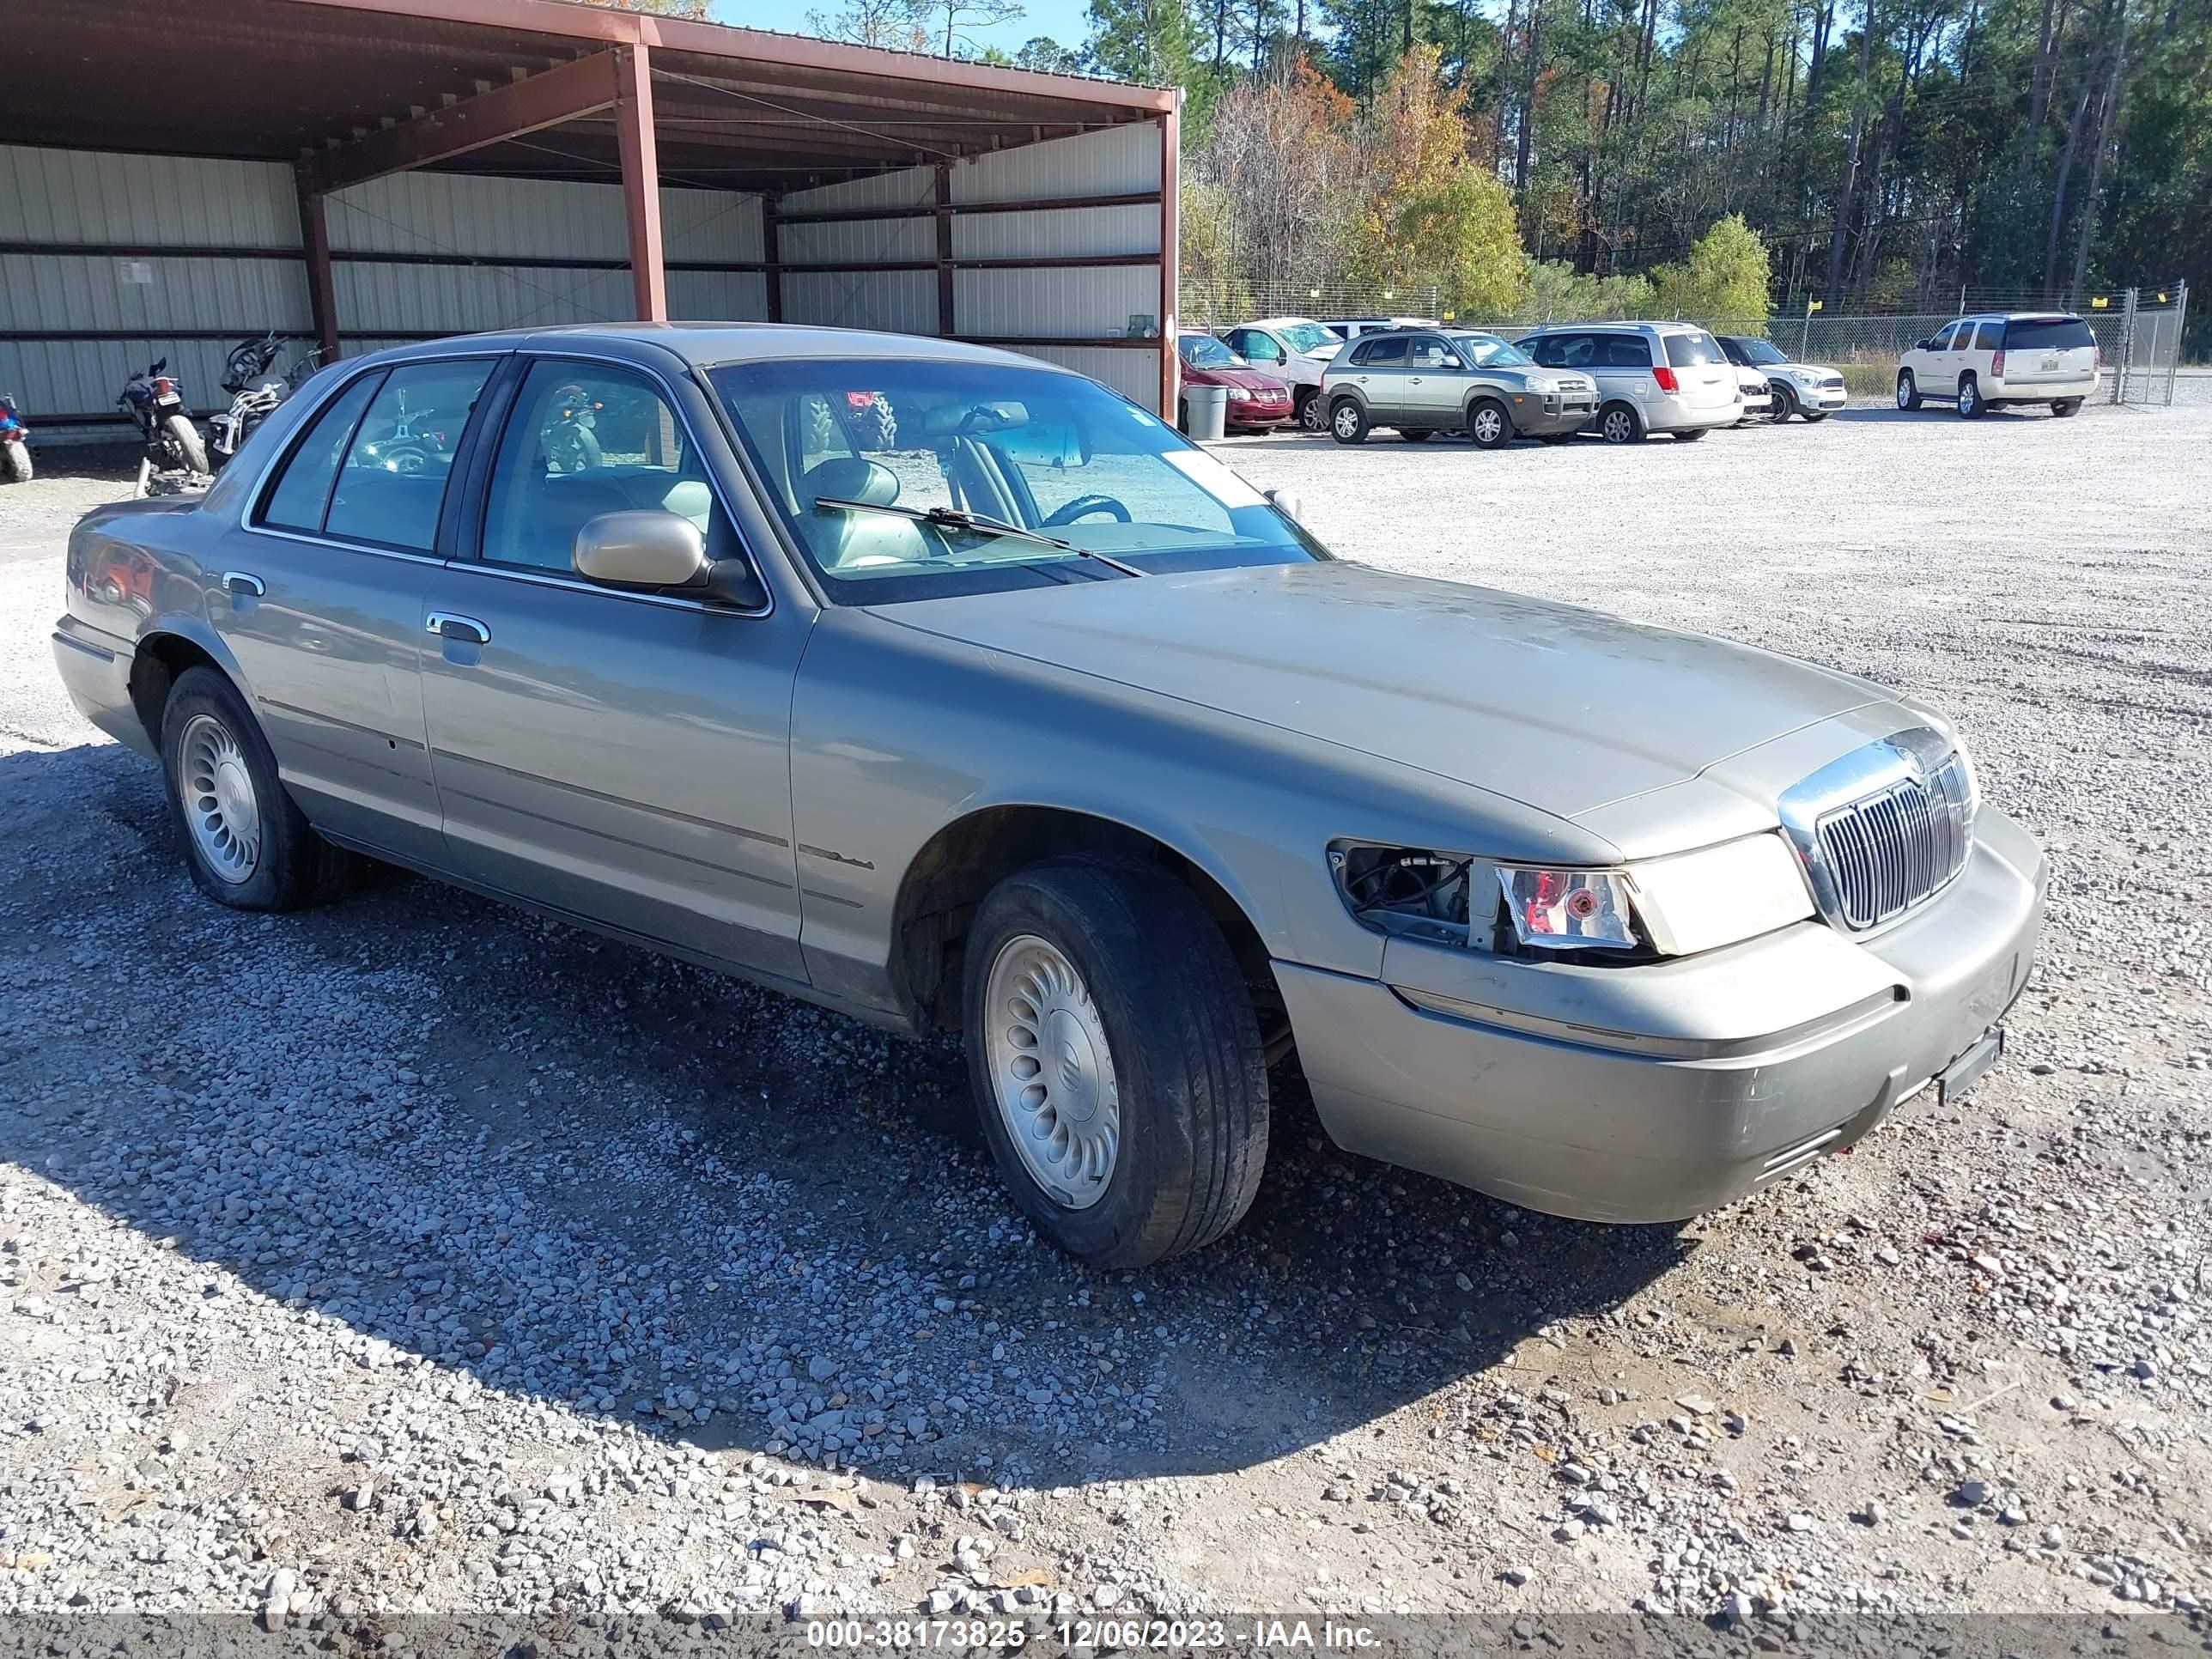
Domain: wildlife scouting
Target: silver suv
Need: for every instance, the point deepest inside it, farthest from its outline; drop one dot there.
(1427, 380)
(1652, 377)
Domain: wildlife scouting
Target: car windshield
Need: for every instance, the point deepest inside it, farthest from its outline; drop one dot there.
(1307, 337)
(1488, 351)
(1761, 351)
(1204, 351)
(891, 475)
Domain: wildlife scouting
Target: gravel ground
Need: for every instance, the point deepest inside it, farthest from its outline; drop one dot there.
(414, 1255)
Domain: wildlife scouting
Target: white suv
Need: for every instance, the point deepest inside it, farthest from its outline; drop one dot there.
(1652, 377)
(1985, 362)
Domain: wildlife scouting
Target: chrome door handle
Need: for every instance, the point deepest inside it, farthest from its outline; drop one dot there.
(1414, 380)
(244, 582)
(447, 626)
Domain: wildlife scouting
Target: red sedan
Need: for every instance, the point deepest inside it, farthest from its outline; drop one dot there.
(1257, 402)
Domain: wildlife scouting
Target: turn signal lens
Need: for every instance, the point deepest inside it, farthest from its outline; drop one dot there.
(1568, 909)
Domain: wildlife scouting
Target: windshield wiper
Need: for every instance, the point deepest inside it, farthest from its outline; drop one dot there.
(953, 518)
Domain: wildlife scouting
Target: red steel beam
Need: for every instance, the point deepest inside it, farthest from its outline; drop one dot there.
(582, 88)
(322, 289)
(945, 251)
(1171, 254)
(641, 181)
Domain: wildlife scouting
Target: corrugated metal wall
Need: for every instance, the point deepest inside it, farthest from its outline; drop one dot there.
(473, 251)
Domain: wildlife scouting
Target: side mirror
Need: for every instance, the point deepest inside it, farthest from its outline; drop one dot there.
(648, 549)
(1922, 346)
(1285, 502)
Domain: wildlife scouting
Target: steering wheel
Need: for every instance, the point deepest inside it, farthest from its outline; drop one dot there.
(1083, 505)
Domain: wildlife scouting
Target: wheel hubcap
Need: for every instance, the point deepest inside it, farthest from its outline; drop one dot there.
(1905, 389)
(1310, 415)
(1347, 422)
(1616, 428)
(221, 810)
(1486, 426)
(1051, 1071)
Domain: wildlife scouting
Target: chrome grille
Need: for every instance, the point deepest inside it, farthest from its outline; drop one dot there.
(1884, 828)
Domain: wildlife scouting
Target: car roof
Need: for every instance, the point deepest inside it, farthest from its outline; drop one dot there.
(1276, 322)
(707, 345)
(2022, 317)
(1617, 322)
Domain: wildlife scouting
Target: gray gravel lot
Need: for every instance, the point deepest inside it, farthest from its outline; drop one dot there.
(415, 1255)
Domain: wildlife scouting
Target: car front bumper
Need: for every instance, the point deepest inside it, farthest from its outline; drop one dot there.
(1653, 1093)
(1255, 412)
(1819, 396)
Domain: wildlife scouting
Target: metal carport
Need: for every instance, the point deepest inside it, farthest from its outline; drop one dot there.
(361, 171)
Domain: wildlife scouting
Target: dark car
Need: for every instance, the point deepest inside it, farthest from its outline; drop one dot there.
(1257, 402)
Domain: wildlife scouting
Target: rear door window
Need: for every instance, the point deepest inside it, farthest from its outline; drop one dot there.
(2048, 334)
(1693, 351)
(1626, 351)
(1385, 353)
(303, 488)
(392, 485)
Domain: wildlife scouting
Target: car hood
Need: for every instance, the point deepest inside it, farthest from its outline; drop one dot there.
(1562, 708)
(1250, 378)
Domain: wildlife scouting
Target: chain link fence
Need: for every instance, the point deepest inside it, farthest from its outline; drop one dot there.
(2138, 331)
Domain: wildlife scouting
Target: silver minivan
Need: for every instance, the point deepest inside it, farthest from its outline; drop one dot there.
(1652, 377)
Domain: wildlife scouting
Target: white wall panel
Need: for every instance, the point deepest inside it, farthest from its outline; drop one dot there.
(51, 292)
(908, 187)
(533, 219)
(717, 296)
(83, 195)
(902, 302)
(1072, 301)
(1117, 160)
(1133, 373)
(1052, 233)
(857, 241)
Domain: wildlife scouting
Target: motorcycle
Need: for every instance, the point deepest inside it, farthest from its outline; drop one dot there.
(256, 390)
(15, 444)
(570, 442)
(412, 443)
(156, 404)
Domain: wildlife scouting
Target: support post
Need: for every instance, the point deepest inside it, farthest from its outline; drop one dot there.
(315, 251)
(1170, 255)
(772, 253)
(641, 178)
(944, 251)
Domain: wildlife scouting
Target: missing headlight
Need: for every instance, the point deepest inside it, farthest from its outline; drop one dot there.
(1405, 890)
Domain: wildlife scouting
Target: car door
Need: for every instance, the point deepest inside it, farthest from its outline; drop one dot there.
(1436, 381)
(320, 597)
(617, 756)
(1381, 378)
(1940, 377)
(1259, 347)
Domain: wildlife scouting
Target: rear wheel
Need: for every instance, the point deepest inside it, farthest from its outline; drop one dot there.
(15, 460)
(1908, 390)
(246, 842)
(1116, 1062)
(2066, 406)
(1618, 423)
(1489, 425)
(1347, 421)
(190, 449)
(1971, 406)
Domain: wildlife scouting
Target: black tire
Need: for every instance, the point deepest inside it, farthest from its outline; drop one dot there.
(1620, 423)
(1556, 438)
(15, 460)
(1347, 421)
(295, 867)
(1417, 435)
(1785, 402)
(1489, 426)
(1182, 1041)
(1308, 409)
(186, 438)
(1814, 416)
(1908, 391)
(2066, 406)
(1971, 406)
(1689, 435)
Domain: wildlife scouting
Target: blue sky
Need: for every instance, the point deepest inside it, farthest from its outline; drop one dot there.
(1063, 19)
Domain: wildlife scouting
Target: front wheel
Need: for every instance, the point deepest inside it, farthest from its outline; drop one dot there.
(1116, 1060)
(1689, 435)
(1309, 410)
(1488, 425)
(1347, 421)
(1785, 402)
(186, 437)
(2066, 406)
(245, 841)
(1419, 434)
(1814, 416)
(1908, 391)
(15, 460)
